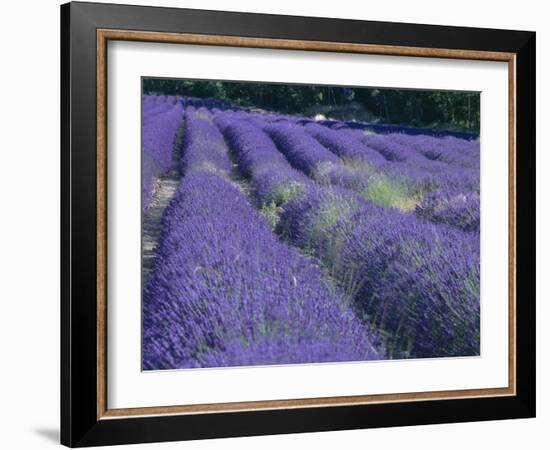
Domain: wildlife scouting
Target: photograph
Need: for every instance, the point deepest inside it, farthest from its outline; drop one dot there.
(288, 221)
(301, 224)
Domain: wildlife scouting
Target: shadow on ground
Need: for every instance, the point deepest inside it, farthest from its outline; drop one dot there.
(50, 434)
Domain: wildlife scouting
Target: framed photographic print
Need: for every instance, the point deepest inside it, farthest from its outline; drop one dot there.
(276, 224)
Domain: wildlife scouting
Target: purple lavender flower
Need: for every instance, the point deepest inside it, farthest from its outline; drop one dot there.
(271, 177)
(457, 152)
(307, 154)
(204, 146)
(455, 207)
(159, 128)
(423, 171)
(302, 150)
(345, 145)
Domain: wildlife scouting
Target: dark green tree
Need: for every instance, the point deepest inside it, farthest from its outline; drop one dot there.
(456, 110)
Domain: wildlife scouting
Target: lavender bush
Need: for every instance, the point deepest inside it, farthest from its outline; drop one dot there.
(302, 150)
(159, 128)
(345, 145)
(203, 144)
(457, 152)
(307, 154)
(271, 177)
(451, 206)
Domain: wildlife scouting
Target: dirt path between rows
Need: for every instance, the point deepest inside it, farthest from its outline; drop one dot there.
(163, 191)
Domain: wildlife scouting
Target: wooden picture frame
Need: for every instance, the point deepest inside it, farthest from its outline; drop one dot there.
(86, 418)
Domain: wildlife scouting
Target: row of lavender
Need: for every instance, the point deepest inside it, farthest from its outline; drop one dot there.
(321, 188)
(161, 119)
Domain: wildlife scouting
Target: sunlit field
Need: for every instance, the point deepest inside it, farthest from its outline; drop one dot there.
(274, 238)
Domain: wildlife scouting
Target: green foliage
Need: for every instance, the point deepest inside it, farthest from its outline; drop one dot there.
(389, 192)
(270, 212)
(454, 110)
(287, 191)
(435, 109)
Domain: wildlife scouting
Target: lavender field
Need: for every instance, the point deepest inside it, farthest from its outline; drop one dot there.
(280, 239)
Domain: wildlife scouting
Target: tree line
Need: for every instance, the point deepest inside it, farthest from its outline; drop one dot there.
(456, 110)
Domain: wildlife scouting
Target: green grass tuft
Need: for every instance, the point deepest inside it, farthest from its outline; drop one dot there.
(391, 193)
(286, 192)
(356, 163)
(270, 212)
